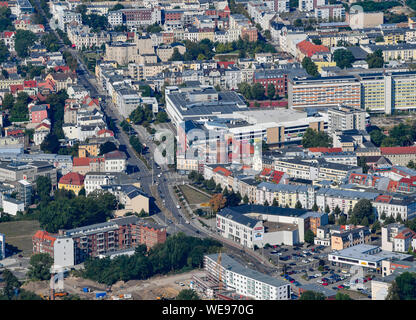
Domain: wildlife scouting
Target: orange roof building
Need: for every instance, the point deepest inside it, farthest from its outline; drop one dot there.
(43, 242)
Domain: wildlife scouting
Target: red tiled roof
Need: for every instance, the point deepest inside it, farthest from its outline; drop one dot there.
(8, 34)
(224, 171)
(103, 131)
(72, 178)
(44, 235)
(81, 162)
(16, 87)
(15, 132)
(43, 125)
(309, 48)
(398, 150)
(30, 84)
(115, 155)
(266, 172)
(325, 150)
(406, 234)
(384, 198)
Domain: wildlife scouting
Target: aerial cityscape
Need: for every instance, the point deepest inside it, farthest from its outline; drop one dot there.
(217, 150)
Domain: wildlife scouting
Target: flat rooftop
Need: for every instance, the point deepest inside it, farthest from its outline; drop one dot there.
(275, 227)
(362, 252)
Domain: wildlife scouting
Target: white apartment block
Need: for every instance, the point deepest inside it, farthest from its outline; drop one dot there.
(245, 281)
(324, 13)
(115, 18)
(310, 5)
(64, 252)
(396, 237)
(94, 180)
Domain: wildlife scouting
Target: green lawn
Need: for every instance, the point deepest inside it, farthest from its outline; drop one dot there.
(193, 196)
(19, 234)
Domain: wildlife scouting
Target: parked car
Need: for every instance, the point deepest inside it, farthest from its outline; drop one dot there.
(325, 283)
(341, 286)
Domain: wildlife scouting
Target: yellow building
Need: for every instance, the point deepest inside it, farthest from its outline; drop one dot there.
(72, 181)
(321, 64)
(88, 149)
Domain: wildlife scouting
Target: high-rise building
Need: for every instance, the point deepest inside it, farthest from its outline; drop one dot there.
(346, 118)
(324, 92)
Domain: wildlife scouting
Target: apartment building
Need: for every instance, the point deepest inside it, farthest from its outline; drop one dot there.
(43, 242)
(399, 155)
(121, 52)
(244, 281)
(71, 247)
(334, 12)
(324, 92)
(395, 206)
(346, 118)
(396, 237)
(310, 5)
(386, 92)
(349, 238)
(19, 170)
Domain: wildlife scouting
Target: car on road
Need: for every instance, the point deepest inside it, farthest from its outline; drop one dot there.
(178, 206)
(325, 284)
(340, 286)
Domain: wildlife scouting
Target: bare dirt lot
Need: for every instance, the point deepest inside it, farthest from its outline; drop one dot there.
(161, 286)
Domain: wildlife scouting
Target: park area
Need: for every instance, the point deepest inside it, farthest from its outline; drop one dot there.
(196, 199)
(19, 235)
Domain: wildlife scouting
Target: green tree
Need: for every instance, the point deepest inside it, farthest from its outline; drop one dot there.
(82, 192)
(271, 91)
(40, 265)
(342, 296)
(312, 295)
(343, 58)
(317, 41)
(245, 89)
(403, 287)
(50, 144)
(162, 116)
(257, 91)
(298, 23)
(298, 205)
(375, 59)
(363, 209)
(43, 188)
(379, 38)
(19, 111)
(337, 211)
(107, 147)
(312, 138)
(275, 203)
(309, 236)
(327, 210)
(4, 52)
(310, 67)
(187, 294)
(154, 28)
(377, 137)
(8, 101)
(315, 207)
(245, 199)
(362, 162)
(24, 39)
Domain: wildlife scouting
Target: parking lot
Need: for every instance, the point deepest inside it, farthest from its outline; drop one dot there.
(302, 266)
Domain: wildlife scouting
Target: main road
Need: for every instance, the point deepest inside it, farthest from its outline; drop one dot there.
(150, 179)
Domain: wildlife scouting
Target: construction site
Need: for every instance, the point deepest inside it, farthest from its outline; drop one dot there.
(155, 288)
